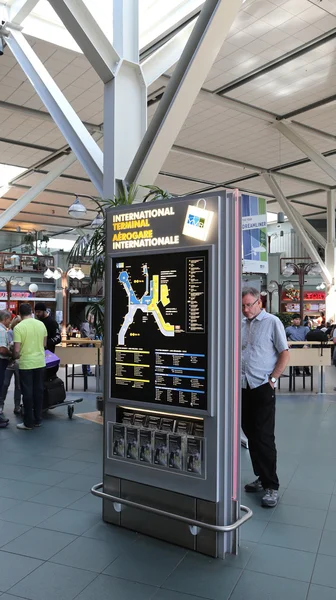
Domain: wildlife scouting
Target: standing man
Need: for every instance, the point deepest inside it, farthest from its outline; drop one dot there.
(30, 339)
(264, 358)
(297, 333)
(54, 335)
(5, 355)
(86, 332)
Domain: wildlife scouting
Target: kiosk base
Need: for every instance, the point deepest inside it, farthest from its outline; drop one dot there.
(162, 528)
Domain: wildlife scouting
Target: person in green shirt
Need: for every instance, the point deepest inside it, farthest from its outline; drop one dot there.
(30, 339)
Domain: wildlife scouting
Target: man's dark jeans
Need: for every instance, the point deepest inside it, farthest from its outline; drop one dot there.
(32, 386)
(258, 422)
(3, 366)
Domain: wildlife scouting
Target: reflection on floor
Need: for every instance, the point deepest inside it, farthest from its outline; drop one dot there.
(54, 545)
(95, 417)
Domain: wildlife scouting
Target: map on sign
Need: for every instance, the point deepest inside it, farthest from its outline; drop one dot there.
(149, 303)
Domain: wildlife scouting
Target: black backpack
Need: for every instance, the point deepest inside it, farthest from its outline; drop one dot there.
(316, 335)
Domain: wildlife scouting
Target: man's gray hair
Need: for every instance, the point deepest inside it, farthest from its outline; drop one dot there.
(250, 290)
(4, 314)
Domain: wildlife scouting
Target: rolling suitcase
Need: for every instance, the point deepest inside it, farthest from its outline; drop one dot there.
(54, 392)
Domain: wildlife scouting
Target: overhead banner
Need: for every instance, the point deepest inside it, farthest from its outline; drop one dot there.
(254, 225)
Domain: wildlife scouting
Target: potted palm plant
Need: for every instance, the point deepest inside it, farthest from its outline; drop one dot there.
(92, 247)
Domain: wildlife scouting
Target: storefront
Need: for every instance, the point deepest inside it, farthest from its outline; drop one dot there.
(18, 297)
(314, 302)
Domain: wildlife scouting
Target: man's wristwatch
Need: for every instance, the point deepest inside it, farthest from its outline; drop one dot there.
(273, 379)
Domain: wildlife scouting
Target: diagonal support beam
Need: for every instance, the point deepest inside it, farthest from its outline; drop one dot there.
(34, 191)
(79, 139)
(298, 141)
(20, 9)
(164, 58)
(90, 38)
(191, 70)
(300, 230)
(310, 229)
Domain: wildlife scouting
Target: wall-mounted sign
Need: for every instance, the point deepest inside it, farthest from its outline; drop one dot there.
(254, 225)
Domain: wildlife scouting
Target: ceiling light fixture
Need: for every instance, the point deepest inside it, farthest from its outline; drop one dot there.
(77, 209)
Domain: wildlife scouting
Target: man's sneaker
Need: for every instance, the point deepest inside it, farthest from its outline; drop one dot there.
(254, 486)
(23, 426)
(270, 499)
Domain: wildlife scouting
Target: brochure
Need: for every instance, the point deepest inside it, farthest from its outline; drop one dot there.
(146, 445)
(118, 440)
(132, 443)
(160, 448)
(175, 452)
(194, 455)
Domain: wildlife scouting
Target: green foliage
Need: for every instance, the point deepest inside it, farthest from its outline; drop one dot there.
(92, 247)
(285, 318)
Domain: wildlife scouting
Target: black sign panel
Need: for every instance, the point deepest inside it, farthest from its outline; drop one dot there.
(160, 328)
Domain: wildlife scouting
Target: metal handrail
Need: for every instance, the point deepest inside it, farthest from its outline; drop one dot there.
(95, 490)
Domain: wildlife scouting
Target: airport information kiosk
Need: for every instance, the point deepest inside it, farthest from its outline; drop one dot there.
(172, 371)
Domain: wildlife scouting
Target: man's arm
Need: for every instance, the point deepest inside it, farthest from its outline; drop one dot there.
(17, 349)
(281, 364)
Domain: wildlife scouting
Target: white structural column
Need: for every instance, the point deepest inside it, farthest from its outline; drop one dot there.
(125, 98)
(20, 9)
(90, 38)
(164, 58)
(190, 72)
(330, 247)
(306, 148)
(330, 258)
(304, 238)
(70, 125)
(30, 194)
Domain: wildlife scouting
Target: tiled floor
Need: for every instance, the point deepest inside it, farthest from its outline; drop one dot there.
(54, 545)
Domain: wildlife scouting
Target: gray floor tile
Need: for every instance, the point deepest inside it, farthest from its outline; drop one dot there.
(13, 568)
(10, 531)
(291, 536)
(111, 533)
(78, 482)
(259, 512)
(47, 477)
(20, 490)
(10, 597)
(52, 582)
(55, 496)
(170, 595)
(330, 523)
(299, 515)
(252, 530)
(88, 554)
(71, 521)
(325, 571)
(147, 561)
(311, 500)
(205, 577)
(282, 562)
(319, 592)
(58, 452)
(38, 461)
(28, 513)
(90, 457)
(106, 588)
(70, 466)
(311, 484)
(254, 586)
(7, 503)
(328, 543)
(39, 543)
(90, 503)
(332, 505)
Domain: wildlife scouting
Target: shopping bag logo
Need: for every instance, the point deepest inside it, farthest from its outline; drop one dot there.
(197, 222)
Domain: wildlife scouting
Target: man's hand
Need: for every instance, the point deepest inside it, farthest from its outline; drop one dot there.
(271, 384)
